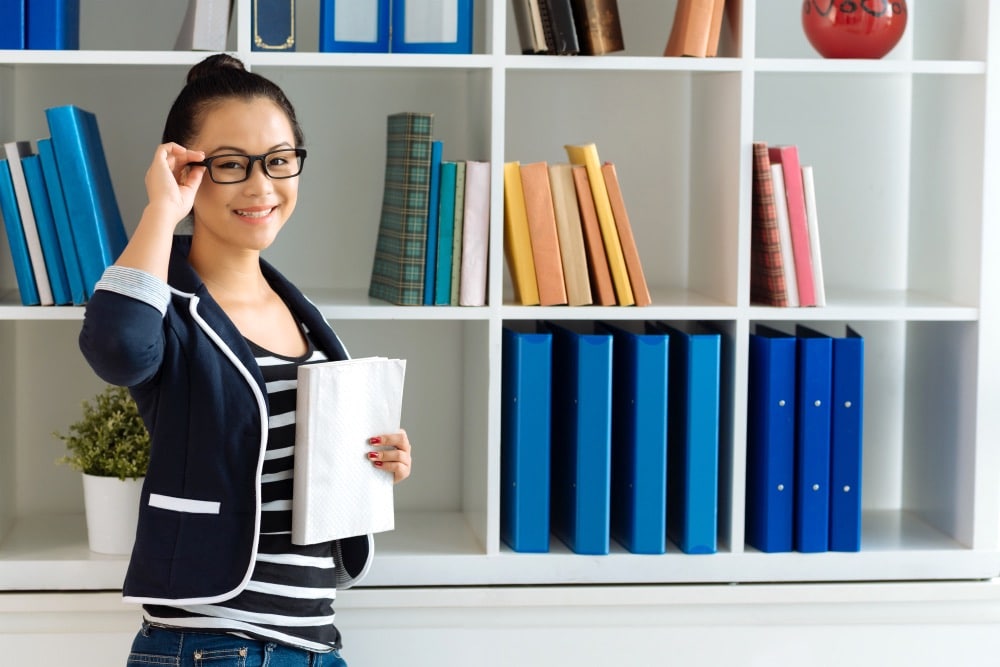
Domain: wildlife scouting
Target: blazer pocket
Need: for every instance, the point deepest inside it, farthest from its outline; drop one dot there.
(188, 505)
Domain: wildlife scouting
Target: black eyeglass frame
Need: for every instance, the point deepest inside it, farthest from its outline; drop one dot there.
(300, 155)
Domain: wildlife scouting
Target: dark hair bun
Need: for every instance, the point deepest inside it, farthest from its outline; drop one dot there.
(211, 66)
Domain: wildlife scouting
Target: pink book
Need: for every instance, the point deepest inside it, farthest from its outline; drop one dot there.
(788, 157)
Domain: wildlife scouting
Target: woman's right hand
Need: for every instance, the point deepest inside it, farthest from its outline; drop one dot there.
(172, 182)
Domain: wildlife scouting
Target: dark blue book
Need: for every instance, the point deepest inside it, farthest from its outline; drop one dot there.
(98, 229)
(814, 361)
(15, 239)
(354, 27)
(272, 25)
(640, 365)
(581, 433)
(770, 440)
(433, 215)
(13, 24)
(525, 432)
(846, 441)
(46, 225)
(54, 24)
(421, 27)
(446, 233)
(60, 213)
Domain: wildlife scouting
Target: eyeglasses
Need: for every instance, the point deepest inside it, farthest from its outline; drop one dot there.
(235, 168)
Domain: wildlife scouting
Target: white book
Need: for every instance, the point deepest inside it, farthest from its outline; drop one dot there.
(336, 491)
(205, 27)
(785, 235)
(15, 150)
(475, 234)
(812, 220)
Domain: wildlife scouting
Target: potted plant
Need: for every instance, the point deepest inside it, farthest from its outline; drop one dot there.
(110, 446)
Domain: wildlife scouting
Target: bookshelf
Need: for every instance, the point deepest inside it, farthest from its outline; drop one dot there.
(907, 243)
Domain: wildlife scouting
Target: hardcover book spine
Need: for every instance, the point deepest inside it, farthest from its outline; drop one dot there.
(598, 26)
(543, 233)
(788, 157)
(205, 27)
(64, 230)
(53, 24)
(846, 440)
(597, 259)
(15, 239)
(13, 24)
(446, 233)
(46, 225)
(630, 250)
(16, 150)
(812, 441)
(516, 238)
(475, 234)
(457, 234)
(767, 271)
(273, 25)
(570, 228)
(433, 220)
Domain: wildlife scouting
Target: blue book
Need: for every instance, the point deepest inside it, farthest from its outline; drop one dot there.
(639, 438)
(54, 24)
(60, 213)
(581, 428)
(422, 27)
(13, 24)
(693, 445)
(814, 359)
(46, 225)
(98, 229)
(446, 233)
(272, 24)
(770, 440)
(846, 440)
(15, 239)
(525, 432)
(354, 27)
(433, 213)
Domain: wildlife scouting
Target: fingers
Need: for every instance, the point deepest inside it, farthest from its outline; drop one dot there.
(392, 455)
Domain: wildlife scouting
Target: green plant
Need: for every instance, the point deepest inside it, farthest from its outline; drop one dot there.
(110, 440)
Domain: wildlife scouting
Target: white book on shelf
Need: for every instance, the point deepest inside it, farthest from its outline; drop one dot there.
(812, 219)
(785, 235)
(205, 27)
(15, 150)
(475, 234)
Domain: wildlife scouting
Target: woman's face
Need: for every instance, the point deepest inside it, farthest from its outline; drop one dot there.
(247, 215)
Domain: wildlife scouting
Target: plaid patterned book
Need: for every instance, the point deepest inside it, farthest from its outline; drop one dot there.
(767, 274)
(400, 252)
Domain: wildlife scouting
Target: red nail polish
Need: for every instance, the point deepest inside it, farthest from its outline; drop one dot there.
(373, 455)
(378, 464)
(375, 440)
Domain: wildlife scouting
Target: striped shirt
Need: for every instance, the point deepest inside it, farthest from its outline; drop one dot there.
(289, 598)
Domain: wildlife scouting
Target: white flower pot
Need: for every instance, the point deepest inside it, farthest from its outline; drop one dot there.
(112, 507)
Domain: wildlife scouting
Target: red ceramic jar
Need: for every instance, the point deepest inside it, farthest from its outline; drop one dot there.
(853, 28)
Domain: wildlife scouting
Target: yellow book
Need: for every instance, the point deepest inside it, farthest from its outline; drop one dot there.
(586, 155)
(516, 239)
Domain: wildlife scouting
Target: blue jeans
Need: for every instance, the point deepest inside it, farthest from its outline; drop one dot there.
(163, 647)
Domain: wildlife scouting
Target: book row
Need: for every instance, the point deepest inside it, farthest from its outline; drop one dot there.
(40, 24)
(786, 263)
(433, 237)
(567, 235)
(633, 410)
(59, 210)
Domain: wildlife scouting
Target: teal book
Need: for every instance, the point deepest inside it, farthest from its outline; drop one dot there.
(446, 234)
(401, 246)
(60, 214)
(46, 225)
(15, 239)
(433, 217)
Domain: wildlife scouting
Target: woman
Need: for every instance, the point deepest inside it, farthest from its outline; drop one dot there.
(208, 337)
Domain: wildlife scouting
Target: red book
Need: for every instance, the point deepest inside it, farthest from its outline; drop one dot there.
(788, 157)
(767, 271)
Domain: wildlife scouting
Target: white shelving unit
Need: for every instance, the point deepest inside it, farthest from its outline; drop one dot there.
(905, 153)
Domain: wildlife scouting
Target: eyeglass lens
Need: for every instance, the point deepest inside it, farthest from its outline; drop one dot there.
(236, 168)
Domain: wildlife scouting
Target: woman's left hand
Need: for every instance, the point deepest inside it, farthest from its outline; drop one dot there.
(393, 454)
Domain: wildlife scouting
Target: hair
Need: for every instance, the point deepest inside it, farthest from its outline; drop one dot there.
(214, 80)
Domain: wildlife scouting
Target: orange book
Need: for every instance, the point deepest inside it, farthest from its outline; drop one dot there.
(516, 241)
(571, 245)
(689, 34)
(715, 29)
(637, 279)
(600, 276)
(544, 235)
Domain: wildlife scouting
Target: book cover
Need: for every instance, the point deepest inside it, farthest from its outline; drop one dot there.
(530, 33)
(353, 26)
(272, 25)
(547, 29)
(788, 157)
(812, 218)
(715, 29)
(336, 492)
(693, 449)
(598, 26)
(98, 229)
(475, 234)
(46, 226)
(431, 26)
(446, 233)
(433, 221)
(691, 29)
(564, 38)
(516, 238)
(814, 360)
(630, 249)
(14, 24)
(457, 234)
(401, 246)
(64, 230)
(785, 236)
(544, 236)
(570, 229)
(640, 364)
(15, 239)
(581, 416)
(586, 155)
(53, 24)
(771, 412)
(846, 441)
(525, 438)
(205, 26)
(767, 271)
(15, 151)
(601, 287)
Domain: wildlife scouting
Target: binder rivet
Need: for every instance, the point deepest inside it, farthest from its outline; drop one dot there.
(847, 404)
(818, 403)
(781, 487)
(781, 403)
(847, 488)
(815, 487)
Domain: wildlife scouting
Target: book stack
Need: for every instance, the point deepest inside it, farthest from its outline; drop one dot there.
(786, 264)
(696, 28)
(59, 210)
(804, 440)
(568, 27)
(395, 26)
(567, 235)
(650, 478)
(40, 24)
(433, 236)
